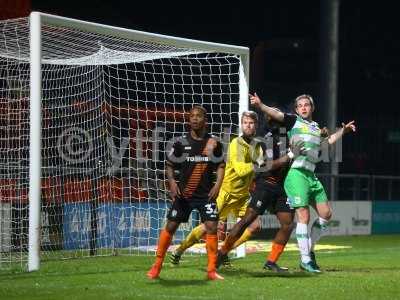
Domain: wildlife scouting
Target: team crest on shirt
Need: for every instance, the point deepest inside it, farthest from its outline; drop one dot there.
(304, 128)
(174, 213)
(259, 203)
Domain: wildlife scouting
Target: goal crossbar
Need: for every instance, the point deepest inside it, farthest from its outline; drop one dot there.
(137, 35)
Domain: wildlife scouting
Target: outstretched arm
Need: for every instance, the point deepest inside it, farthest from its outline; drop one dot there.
(349, 127)
(294, 151)
(268, 111)
(278, 163)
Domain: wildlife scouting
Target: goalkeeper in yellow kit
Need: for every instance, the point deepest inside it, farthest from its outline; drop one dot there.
(245, 155)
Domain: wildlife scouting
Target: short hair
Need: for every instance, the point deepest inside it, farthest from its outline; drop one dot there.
(304, 96)
(250, 114)
(201, 108)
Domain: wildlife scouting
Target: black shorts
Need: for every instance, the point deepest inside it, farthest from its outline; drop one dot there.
(271, 197)
(182, 208)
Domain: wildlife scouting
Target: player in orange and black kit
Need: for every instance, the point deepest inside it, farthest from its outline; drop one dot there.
(197, 156)
(270, 195)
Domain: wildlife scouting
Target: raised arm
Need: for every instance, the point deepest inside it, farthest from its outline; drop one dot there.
(268, 111)
(346, 128)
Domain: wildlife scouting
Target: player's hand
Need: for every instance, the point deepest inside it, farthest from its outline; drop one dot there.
(174, 190)
(213, 192)
(349, 127)
(325, 132)
(259, 161)
(298, 148)
(255, 100)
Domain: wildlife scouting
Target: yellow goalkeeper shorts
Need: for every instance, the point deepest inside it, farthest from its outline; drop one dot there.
(228, 204)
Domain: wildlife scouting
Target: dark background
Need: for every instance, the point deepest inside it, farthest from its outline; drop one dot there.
(284, 40)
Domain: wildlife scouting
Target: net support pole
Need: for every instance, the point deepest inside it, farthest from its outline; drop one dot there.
(329, 71)
(34, 142)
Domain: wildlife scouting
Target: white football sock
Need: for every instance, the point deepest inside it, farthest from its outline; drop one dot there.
(302, 241)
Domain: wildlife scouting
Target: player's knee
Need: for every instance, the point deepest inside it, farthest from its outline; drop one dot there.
(287, 227)
(324, 211)
(254, 227)
(222, 225)
(211, 227)
(328, 215)
(303, 215)
(171, 227)
(248, 221)
(243, 223)
(221, 230)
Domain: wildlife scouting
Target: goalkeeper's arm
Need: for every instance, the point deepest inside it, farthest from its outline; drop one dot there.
(236, 158)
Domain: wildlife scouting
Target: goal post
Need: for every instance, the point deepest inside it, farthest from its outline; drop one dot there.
(35, 117)
(95, 105)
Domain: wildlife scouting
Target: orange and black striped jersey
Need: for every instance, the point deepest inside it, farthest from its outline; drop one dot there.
(279, 147)
(196, 161)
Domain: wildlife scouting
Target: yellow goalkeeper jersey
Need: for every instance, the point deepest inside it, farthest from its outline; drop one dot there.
(239, 169)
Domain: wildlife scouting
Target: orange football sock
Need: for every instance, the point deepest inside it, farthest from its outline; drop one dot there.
(276, 251)
(212, 248)
(163, 244)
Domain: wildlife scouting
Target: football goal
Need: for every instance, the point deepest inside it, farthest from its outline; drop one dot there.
(87, 111)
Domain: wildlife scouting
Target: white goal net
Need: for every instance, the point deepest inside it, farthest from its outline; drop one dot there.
(110, 100)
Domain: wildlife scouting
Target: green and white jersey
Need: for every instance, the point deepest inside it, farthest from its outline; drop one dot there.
(310, 133)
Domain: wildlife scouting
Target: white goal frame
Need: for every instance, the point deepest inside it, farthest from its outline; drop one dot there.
(36, 21)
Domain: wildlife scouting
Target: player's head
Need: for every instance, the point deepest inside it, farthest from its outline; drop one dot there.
(249, 121)
(304, 106)
(198, 117)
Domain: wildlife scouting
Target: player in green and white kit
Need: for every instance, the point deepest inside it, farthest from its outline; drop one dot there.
(301, 185)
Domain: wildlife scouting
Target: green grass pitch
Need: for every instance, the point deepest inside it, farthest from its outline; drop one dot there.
(369, 269)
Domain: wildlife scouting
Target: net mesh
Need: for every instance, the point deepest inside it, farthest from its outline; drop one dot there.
(109, 107)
